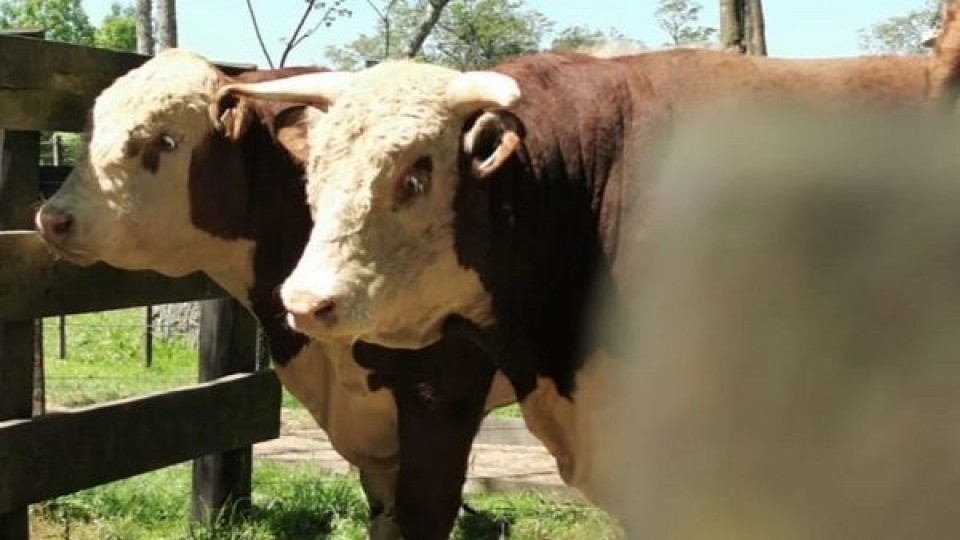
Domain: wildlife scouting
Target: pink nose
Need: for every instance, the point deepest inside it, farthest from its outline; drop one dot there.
(306, 309)
(54, 223)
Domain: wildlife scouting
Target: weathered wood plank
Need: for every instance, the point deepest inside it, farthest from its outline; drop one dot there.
(18, 188)
(55, 89)
(57, 454)
(34, 284)
(228, 344)
(57, 86)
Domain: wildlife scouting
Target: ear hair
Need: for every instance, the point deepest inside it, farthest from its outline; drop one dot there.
(291, 127)
(229, 113)
(490, 141)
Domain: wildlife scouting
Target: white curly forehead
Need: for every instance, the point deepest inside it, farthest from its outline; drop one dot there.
(171, 83)
(384, 110)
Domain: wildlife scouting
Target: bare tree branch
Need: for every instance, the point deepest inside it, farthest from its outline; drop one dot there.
(385, 17)
(256, 28)
(292, 42)
(333, 10)
(431, 14)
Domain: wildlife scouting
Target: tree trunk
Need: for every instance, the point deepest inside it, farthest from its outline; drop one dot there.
(166, 24)
(145, 27)
(431, 14)
(732, 25)
(756, 29)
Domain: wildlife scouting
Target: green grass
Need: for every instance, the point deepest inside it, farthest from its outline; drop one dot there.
(290, 502)
(105, 359)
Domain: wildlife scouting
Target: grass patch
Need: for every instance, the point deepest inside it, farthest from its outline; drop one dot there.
(105, 359)
(290, 502)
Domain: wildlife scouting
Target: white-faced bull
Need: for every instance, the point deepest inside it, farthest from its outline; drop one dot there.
(162, 185)
(502, 197)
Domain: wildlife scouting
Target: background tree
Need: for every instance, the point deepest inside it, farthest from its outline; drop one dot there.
(732, 30)
(64, 20)
(430, 13)
(402, 29)
(742, 27)
(166, 24)
(144, 25)
(581, 37)
(118, 30)
(755, 28)
(468, 34)
(902, 34)
(680, 20)
(474, 34)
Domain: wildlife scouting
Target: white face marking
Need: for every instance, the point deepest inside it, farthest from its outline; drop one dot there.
(382, 178)
(128, 194)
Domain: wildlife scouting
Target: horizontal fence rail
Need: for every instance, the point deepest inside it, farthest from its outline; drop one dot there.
(60, 453)
(50, 85)
(33, 284)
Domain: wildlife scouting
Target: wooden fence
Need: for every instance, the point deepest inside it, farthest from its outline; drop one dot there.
(51, 86)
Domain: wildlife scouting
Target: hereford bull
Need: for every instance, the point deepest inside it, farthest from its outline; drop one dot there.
(495, 201)
(157, 187)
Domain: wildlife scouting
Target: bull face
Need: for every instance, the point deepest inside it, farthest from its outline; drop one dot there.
(127, 201)
(383, 171)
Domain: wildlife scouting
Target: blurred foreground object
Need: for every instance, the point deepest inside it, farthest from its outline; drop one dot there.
(795, 358)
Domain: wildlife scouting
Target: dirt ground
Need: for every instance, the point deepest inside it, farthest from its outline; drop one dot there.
(505, 457)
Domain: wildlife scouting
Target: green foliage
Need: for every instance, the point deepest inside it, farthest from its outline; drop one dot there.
(576, 37)
(580, 37)
(64, 20)
(470, 34)
(901, 34)
(396, 24)
(679, 19)
(475, 34)
(118, 30)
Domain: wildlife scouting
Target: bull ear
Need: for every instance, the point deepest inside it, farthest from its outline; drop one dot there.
(490, 141)
(472, 91)
(291, 126)
(230, 115)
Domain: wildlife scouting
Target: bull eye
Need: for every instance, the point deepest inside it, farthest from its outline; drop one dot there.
(166, 143)
(414, 182)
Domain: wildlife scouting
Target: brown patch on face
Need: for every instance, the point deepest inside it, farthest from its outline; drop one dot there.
(150, 158)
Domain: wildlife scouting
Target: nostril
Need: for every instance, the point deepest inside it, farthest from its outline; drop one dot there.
(62, 225)
(325, 309)
(54, 222)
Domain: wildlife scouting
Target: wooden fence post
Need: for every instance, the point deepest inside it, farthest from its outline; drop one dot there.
(228, 345)
(148, 336)
(19, 187)
(57, 151)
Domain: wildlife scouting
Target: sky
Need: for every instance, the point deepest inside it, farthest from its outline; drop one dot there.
(221, 29)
